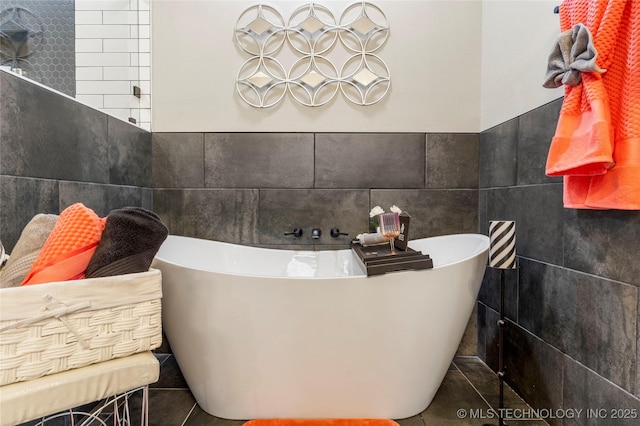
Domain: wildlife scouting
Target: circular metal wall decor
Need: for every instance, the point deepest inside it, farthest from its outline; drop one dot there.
(315, 40)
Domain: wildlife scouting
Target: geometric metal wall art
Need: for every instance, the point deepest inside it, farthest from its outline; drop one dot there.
(312, 56)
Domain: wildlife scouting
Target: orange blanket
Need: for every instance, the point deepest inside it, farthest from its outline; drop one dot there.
(596, 146)
(68, 249)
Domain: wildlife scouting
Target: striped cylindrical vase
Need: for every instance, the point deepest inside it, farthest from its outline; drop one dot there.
(502, 244)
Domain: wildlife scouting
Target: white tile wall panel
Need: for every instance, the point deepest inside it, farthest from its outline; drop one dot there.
(102, 31)
(133, 30)
(120, 17)
(144, 17)
(145, 126)
(121, 45)
(143, 4)
(88, 17)
(103, 4)
(102, 59)
(103, 87)
(89, 73)
(121, 73)
(89, 45)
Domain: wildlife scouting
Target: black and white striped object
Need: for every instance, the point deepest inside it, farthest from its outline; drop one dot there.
(502, 244)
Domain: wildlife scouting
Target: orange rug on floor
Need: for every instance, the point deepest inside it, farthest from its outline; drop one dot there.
(321, 422)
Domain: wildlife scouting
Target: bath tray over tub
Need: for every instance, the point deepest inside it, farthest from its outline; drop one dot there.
(53, 327)
(378, 260)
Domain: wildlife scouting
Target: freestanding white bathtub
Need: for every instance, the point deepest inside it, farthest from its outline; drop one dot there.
(264, 333)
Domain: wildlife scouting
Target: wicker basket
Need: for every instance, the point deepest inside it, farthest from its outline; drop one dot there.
(53, 327)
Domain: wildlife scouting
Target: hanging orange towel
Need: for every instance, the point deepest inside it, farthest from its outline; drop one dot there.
(596, 146)
(68, 249)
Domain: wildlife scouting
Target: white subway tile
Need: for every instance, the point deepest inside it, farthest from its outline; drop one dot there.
(145, 125)
(145, 73)
(120, 73)
(102, 31)
(120, 17)
(121, 101)
(121, 45)
(144, 17)
(144, 31)
(90, 17)
(89, 45)
(102, 4)
(144, 45)
(145, 86)
(135, 113)
(135, 61)
(143, 4)
(133, 30)
(103, 87)
(89, 73)
(96, 101)
(144, 59)
(145, 101)
(102, 59)
(145, 115)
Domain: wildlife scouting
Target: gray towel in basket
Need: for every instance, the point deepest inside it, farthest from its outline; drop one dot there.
(27, 248)
(132, 236)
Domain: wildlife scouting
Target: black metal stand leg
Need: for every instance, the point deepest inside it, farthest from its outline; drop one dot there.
(501, 324)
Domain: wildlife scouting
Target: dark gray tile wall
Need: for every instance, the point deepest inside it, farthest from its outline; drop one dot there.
(306, 180)
(573, 304)
(55, 152)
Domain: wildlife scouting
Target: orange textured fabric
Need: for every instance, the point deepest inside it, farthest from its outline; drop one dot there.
(321, 422)
(68, 249)
(596, 146)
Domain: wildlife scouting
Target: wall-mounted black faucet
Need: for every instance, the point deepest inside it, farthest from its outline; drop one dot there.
(297, 232)
(335, 233)
(316, 233)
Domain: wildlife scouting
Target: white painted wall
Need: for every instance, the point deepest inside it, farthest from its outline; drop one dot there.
(456, 66)
(517, 36)
(433, 54)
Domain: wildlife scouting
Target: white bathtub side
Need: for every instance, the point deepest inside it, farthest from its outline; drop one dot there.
(356, 347)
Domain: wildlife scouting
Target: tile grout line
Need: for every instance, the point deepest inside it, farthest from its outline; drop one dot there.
(184, 422)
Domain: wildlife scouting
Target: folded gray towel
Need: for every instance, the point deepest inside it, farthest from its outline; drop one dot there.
(131, 238)
(27, 248)
(573, 54)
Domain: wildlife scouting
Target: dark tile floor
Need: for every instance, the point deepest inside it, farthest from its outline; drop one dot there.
(469, 389)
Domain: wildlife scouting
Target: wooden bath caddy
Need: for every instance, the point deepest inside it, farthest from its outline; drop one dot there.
(378, 260)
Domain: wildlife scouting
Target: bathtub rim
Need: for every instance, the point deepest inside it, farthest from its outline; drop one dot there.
(481, 248)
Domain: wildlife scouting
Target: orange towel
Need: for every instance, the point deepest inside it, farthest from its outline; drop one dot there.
(321, 422)
(597, 141)
(66, 253)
